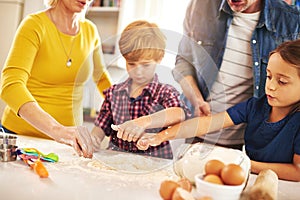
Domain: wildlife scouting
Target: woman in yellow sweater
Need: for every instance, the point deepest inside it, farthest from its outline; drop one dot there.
(53, 54)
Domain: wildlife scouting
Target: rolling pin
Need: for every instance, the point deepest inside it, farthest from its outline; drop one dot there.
(265, 187)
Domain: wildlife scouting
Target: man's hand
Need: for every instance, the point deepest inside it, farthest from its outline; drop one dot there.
(202, 109)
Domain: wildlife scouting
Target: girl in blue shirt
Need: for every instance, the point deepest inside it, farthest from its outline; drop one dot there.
(272, 136)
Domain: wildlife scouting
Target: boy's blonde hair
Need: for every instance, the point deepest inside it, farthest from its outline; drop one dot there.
(142, 40)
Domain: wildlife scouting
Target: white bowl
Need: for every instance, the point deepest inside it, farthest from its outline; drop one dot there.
(191, 159)
(216, 191)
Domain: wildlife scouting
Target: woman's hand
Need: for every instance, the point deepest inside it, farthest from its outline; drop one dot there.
(97, 136)
(129, 131)
(78, 137)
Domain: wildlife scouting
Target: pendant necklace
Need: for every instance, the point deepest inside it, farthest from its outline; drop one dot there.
(69, 60)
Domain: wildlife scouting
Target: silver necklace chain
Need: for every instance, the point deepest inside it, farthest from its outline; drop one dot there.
(69, 60)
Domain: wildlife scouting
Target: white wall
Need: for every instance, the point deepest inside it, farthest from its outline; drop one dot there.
(11, 15)
(31, 6)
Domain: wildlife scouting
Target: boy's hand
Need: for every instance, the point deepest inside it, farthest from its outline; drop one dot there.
(147, 140)
(97, 136)
(129, 131)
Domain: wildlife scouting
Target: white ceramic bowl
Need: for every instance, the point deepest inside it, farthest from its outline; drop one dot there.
(217, 192)
(190, 160)
(191, 165)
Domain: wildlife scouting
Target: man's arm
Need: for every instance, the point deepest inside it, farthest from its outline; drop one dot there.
(184, 72)
(192, 93)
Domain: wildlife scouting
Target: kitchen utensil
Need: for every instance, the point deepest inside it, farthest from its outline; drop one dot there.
(8, 152)
(8, 139)
(36, 165)
(51, 157)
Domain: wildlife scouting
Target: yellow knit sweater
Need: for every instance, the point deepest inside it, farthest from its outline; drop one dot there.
(36, 70)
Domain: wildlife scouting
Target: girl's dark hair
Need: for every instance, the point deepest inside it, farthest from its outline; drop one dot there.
(290, 53)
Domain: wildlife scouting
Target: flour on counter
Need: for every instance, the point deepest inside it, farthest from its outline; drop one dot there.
(130, 163)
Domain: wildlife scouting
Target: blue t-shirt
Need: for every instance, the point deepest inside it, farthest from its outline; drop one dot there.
(267, 141)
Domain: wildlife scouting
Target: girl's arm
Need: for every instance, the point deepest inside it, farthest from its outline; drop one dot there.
(285, 171)
(190, 128)
(133, 129)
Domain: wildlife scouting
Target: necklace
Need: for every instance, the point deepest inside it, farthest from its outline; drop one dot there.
(69, 59)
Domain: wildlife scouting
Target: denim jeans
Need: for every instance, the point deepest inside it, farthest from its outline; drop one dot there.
(6, 130)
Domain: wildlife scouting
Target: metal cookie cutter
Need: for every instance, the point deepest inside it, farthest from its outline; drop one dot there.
(8, 148)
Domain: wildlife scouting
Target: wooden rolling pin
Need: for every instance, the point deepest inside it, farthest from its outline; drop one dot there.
(265, 187)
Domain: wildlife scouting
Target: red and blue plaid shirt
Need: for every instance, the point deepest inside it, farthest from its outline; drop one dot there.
(118, 107)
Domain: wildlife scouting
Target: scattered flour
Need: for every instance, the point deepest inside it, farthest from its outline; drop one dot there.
(131, 163)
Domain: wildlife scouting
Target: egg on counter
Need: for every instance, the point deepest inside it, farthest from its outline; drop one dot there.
(167, 188)
(176, 190)
(185, 184)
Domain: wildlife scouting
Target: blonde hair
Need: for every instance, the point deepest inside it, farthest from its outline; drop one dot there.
(142, 40)
(50, 3)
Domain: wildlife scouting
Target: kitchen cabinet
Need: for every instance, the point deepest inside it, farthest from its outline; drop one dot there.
(107, 21)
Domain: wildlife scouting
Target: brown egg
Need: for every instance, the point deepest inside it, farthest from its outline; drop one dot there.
(233, 174)
(185, 184)
(212, 178)
(167, 189)
(214, 167)
(182, 194)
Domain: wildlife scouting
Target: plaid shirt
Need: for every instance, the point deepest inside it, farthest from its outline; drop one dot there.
(118, 107)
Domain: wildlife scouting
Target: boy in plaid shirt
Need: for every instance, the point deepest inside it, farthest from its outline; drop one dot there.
(141, 104)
